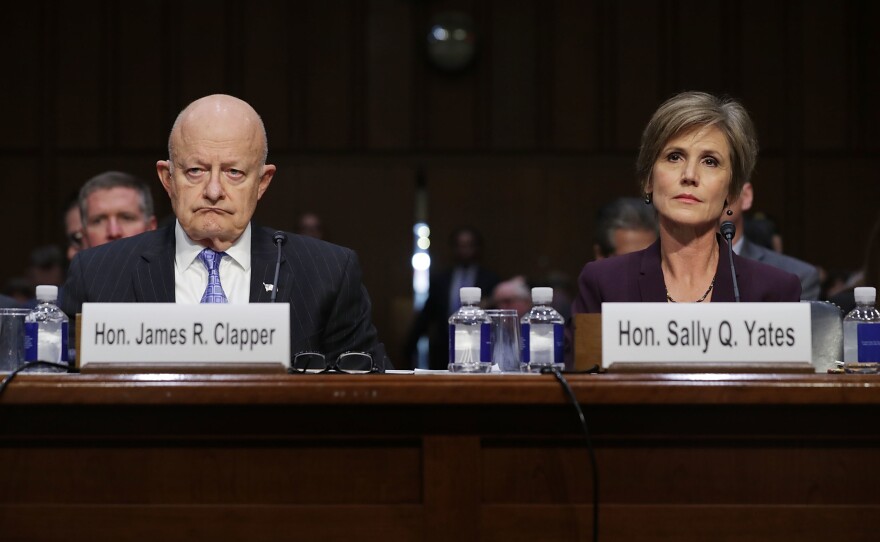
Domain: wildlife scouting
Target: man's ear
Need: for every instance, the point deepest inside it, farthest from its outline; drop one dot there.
(163, 169)
(265, 179)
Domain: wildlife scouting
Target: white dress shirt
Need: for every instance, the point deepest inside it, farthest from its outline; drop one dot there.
(191, 275)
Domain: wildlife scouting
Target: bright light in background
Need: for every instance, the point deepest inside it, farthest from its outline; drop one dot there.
(421, 282)
(421, 258)
(421, 261)
(440, 33)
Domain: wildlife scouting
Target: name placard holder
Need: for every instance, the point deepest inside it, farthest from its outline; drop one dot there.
(713, 337)
(170, 337)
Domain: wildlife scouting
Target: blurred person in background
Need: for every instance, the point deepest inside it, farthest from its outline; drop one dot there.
(7, 302)
(836, 281)
(513, 294)
(48, 266)
(807, 274)
(761, 230)
(561, 284)
(869, 275)
(73, 231)
(624, 225)
(310, 224)
(115, 205)
(466, 247)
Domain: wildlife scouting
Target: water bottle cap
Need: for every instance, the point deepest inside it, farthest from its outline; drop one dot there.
(542, 296)
(47, 292)
(865, 295)
(470, 295)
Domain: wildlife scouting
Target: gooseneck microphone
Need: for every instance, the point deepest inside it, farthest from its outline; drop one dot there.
(279, 238)
(728, 230)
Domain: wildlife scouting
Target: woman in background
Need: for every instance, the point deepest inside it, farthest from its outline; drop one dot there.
(696, 153)
(868, 275)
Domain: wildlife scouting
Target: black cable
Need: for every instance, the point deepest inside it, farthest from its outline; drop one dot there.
(594, 370)
(593, 465)
(277, 269)
(733, 272)
(29, 364)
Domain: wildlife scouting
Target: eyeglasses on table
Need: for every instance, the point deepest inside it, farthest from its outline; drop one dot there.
(348, 363)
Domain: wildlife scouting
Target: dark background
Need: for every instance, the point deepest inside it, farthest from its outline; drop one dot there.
(525, 144)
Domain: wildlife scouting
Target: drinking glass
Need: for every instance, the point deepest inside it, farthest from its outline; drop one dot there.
(12, 338)
(505, 340)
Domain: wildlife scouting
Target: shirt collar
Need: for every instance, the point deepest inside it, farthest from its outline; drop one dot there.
(187, 251)
(738, 246)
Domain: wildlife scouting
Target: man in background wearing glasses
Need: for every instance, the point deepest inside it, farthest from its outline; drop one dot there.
(73, 226)
(215, 173)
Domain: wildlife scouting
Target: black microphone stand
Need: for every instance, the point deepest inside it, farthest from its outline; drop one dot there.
(728, 230)
(279, 237)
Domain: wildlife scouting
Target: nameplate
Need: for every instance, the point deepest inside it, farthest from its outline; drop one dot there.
(705, 333)
(175, 334)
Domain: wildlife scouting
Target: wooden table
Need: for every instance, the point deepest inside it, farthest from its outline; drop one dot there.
(436, 457)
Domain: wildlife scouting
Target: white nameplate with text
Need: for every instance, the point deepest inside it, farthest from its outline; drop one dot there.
(174, 333)
(706, 332)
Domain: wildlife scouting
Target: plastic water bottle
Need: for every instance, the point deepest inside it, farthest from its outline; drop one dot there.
(861, 334)
(469, 335)
(542, 332)
(45, 330)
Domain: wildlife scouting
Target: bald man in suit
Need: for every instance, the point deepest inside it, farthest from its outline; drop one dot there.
(215, 174)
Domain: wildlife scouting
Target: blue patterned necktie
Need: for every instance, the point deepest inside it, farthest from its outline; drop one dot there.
(214, 292)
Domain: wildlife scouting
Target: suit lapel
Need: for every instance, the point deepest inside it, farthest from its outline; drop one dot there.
(722, 292)
(653, 288)
(651, 285)
(154, 279)
(264, 254)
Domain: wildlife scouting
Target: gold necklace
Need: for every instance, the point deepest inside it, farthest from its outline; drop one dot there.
(711, 285)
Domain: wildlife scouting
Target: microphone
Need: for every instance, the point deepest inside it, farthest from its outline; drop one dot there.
(728, 230)
(279, 238)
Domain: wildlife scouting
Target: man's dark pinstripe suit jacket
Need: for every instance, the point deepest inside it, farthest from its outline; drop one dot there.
(330, 309)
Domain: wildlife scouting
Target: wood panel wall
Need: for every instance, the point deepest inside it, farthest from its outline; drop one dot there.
(524, 144)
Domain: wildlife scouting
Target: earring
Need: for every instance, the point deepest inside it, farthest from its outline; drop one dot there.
(649, 197)
(729, 212)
